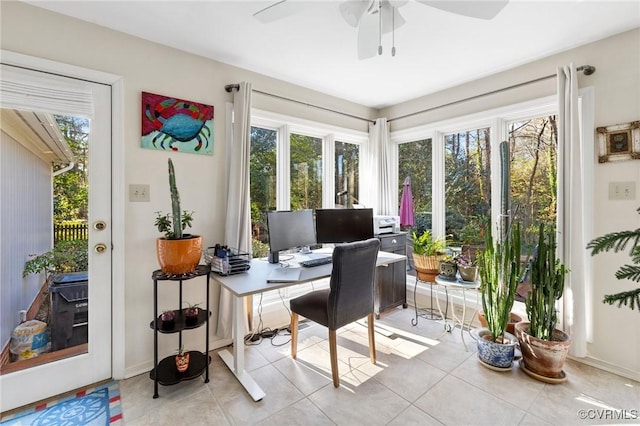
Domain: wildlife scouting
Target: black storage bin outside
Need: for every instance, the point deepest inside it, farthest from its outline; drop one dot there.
(69, 310)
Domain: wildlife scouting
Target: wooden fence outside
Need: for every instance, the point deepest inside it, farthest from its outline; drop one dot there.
(70, 232)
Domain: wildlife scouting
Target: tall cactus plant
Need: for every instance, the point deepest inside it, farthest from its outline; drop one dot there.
(175, 203)
(547, 285)
(499, 265)
(172, 224)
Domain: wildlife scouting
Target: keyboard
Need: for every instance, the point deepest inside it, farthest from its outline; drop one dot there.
(316, 262)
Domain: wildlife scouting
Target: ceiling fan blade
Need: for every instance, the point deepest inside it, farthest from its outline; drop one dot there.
(368, 35)
(352, 10)
(474, 9)
(278, 10)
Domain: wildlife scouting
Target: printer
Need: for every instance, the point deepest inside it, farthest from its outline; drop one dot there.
(386, 224)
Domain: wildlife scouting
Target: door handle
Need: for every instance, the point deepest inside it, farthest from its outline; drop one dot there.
(100, 248)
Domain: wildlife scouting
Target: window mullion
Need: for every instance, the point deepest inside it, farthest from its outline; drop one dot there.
(283, 173)
(438, 178)
(328, 171)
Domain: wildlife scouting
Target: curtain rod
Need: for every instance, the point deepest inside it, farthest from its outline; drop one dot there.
(230, 87)
(587, 69)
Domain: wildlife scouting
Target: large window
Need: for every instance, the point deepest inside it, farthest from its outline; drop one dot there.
(263, 183)
(306, 172)
(455, 173)
(534, 143)
(415, 162)
(467, 185)
(347, 174)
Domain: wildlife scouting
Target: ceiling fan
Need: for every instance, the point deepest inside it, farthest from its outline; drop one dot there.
(376, 17)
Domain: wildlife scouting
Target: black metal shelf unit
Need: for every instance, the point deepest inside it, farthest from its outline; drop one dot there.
(165, 372)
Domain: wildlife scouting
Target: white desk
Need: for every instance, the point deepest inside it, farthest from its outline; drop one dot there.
(255, 281)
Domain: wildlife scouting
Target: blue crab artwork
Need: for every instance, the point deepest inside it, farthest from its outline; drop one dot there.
(176, 124)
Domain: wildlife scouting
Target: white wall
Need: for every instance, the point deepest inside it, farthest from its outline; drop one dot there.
(21, 213)
(616, 332)
(150, 67)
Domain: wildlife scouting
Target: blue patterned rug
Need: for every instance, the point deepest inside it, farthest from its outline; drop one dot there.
(99, 405)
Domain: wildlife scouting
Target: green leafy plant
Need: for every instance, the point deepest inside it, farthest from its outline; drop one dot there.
(426, 245)
(66, 256)
(499, 270)
(172, 224)
(617, 241)
(547, 285)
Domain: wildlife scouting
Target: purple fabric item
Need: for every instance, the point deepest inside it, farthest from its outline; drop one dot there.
(406, 204)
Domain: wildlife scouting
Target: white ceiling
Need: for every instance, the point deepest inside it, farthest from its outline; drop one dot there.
(315, 48)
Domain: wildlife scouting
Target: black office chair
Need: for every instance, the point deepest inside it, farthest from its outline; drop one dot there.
(349, 298)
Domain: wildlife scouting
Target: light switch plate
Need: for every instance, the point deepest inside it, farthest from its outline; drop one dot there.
(139, 193)
(622, 190)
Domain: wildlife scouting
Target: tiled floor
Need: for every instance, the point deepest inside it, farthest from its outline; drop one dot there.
(417, 380)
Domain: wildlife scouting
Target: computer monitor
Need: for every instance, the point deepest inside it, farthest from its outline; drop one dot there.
(343, 225)
(289, 229)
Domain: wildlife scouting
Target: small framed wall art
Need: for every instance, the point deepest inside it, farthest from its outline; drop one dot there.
(619, 142)
(177, 125)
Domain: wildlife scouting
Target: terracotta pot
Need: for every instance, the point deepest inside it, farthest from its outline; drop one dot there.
(513, 320)
(427, 275)
(179, 256)
(182, 362)
(495, 354)
(543, 357)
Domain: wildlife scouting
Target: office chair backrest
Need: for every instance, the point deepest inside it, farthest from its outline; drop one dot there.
(352, 282)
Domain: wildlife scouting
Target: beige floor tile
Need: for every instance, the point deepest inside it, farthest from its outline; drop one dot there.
(513, 386)
(409, 378)
(414, 416)
(455, 402)
(302, 412)
(360, 400)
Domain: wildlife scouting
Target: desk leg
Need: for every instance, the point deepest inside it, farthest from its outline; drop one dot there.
(235, 362)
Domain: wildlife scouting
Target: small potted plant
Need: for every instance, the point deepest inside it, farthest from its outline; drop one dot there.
(191, 313)
(167, 319)
(467, 268)
(178, 253)
(427, 253)
(182, 360)
(448, 267)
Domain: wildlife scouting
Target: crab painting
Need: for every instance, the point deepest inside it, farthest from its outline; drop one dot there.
(176, 124)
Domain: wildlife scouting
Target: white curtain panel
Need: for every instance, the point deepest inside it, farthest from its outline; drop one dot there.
(238, 217)
(571, 219)
(381, 195)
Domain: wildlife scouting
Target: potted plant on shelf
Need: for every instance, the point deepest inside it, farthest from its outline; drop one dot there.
(448, 267)
(617, 241)
(544, 348)
(427, 253)
(167, 319)
(499, 270)
(182, 360)
(191, 313)
(178, 253)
